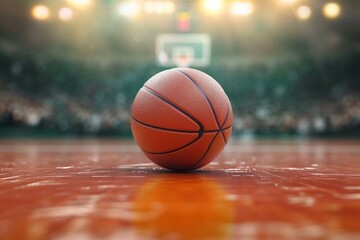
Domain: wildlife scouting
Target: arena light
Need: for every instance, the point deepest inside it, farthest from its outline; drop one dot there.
(242, 8)
(82, 4)
(288, 1)
(159, 7)
(40, 12)
(332, 10)
(128, 9)
(303, 12)
(212, 6)
(65, 14)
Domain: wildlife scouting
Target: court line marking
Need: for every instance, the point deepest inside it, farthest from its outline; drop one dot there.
(91, 148)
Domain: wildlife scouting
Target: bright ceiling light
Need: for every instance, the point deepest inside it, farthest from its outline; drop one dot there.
(40, 12)
(242, 8)
(212, 6)
(332, 10)
(288, 1)
(80, 3)
(65, 14)
(303, 12)
(128, 9)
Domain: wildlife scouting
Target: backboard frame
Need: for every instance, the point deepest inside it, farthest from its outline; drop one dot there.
(182, 39)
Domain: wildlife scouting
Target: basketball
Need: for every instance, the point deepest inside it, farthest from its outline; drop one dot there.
(181, 119)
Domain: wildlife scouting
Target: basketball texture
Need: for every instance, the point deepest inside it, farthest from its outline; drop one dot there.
(181, 119)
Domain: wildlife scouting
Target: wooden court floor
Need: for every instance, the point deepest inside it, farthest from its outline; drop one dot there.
(106, 189)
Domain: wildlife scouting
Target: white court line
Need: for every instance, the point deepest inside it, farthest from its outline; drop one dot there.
(135, 149)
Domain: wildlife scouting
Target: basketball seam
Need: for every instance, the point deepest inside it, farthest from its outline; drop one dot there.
(206, 151)
(158, 95)
(177, 149)
(207, 99)
(188, 144)
(174, 130)
(200, 132)
(226, 118)
(212, 140)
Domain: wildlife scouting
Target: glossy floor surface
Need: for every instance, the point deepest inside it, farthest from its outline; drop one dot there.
(109, 190)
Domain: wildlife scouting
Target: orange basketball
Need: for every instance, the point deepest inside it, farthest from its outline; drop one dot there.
(181, 119)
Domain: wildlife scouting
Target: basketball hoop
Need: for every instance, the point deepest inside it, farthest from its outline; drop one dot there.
(183, 56)
(183, 61)
(183, 50)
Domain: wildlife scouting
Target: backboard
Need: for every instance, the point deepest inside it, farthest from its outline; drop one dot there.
(183, 50)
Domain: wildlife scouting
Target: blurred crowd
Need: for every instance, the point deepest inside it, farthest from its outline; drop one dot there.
(285, 98)
(60, 112)
(340, 116)
(322, 117)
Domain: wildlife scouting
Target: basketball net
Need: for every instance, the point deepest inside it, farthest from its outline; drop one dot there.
(183, 56)
(183, 60)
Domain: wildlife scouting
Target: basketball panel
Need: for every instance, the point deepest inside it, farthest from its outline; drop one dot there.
(214, 149)
(183, 159)
(227, 134)
(158, 141)
(229, 120)
(213, 91)
(176, 88)
(151, 110)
